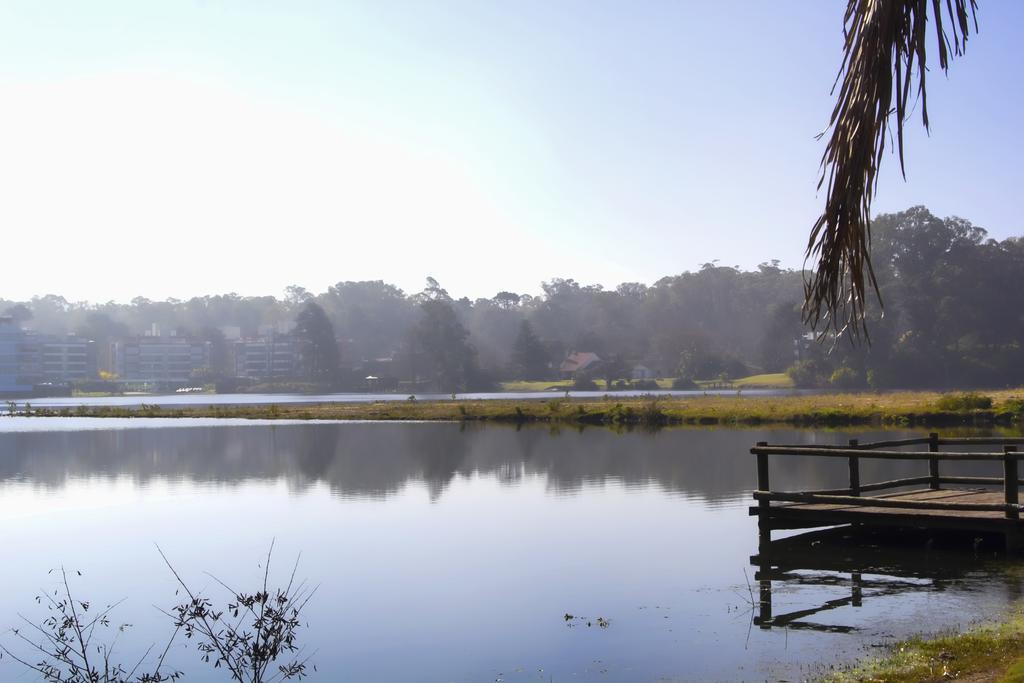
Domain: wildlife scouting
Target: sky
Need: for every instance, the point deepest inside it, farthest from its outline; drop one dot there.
(186, 147)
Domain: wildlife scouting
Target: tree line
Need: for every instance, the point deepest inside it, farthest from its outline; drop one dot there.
(950, 319)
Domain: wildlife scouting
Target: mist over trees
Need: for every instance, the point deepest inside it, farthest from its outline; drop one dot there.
(951, 318)
(312, 327)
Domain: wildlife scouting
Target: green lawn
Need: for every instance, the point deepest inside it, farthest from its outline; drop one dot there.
(777, 380)
(524, 385)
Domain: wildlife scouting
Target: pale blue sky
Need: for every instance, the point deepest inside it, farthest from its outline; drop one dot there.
(210, 146)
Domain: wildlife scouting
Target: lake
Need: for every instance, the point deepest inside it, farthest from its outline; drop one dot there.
(451, 553)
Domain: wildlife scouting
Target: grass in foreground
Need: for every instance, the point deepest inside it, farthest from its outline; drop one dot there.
(991, 652)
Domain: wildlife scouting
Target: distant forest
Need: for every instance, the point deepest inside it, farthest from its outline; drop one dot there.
(953, 317)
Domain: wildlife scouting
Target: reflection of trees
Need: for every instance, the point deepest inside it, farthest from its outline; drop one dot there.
(379, 459)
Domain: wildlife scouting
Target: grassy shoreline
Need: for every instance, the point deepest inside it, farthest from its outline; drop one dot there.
(987, 652)
(778, 380)
(885, 409)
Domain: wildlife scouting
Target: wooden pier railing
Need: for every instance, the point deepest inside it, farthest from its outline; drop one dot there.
(852, 497)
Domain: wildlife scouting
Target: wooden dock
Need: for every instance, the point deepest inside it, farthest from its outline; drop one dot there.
(930, 501)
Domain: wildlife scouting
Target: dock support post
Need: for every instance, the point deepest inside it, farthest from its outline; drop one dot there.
(763, 518)
(764, 606)
(857, 594)
(933, 463)
(1010, 483)
(854, 471)
(1011, 498)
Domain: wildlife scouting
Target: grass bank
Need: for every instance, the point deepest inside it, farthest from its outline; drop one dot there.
(776, 380)
(990, 652)
(892, 409)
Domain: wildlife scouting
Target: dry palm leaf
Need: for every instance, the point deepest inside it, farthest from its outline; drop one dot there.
(885, 44)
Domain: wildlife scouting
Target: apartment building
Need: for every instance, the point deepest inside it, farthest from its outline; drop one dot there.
(268, 357)
(160, 359)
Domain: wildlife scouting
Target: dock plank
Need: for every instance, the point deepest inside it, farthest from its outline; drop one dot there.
(817, 514)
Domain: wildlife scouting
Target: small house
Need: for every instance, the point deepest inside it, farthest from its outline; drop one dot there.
(579, 361)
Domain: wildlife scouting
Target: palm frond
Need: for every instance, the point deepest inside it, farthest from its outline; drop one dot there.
(885, 50)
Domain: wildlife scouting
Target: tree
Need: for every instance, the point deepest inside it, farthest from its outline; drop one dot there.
(613, 367)
(372, 317)
(780, 335)
(529, 356)
(220, 357)
(442, 340)
(295, 296)
(20, 312)
(809, 373)
(434, 291)
(885, 41)
(320, 353)
(699, 361)
(507, 300)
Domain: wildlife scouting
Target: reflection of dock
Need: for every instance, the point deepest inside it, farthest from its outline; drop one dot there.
(862, 563)
(980, 509)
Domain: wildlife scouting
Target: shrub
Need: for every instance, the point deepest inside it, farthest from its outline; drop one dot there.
(583, 383)
(963, 402)
(620, 414)
(651, 413)
(1013, 405)
(845, 378)
(684, 383)
(807, 373)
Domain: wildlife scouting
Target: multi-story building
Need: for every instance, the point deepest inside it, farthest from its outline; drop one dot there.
(66, 359)
(14, 349)
(159, 359)
(28, 359)
(268, 357)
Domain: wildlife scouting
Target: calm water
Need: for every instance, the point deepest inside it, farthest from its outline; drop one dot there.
(450, 554)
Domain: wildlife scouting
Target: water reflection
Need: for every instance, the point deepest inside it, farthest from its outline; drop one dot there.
(378, 460)
(867, 564)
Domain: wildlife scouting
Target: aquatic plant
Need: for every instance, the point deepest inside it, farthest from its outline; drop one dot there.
(251, 631)
(252, 637)
(64, 646)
